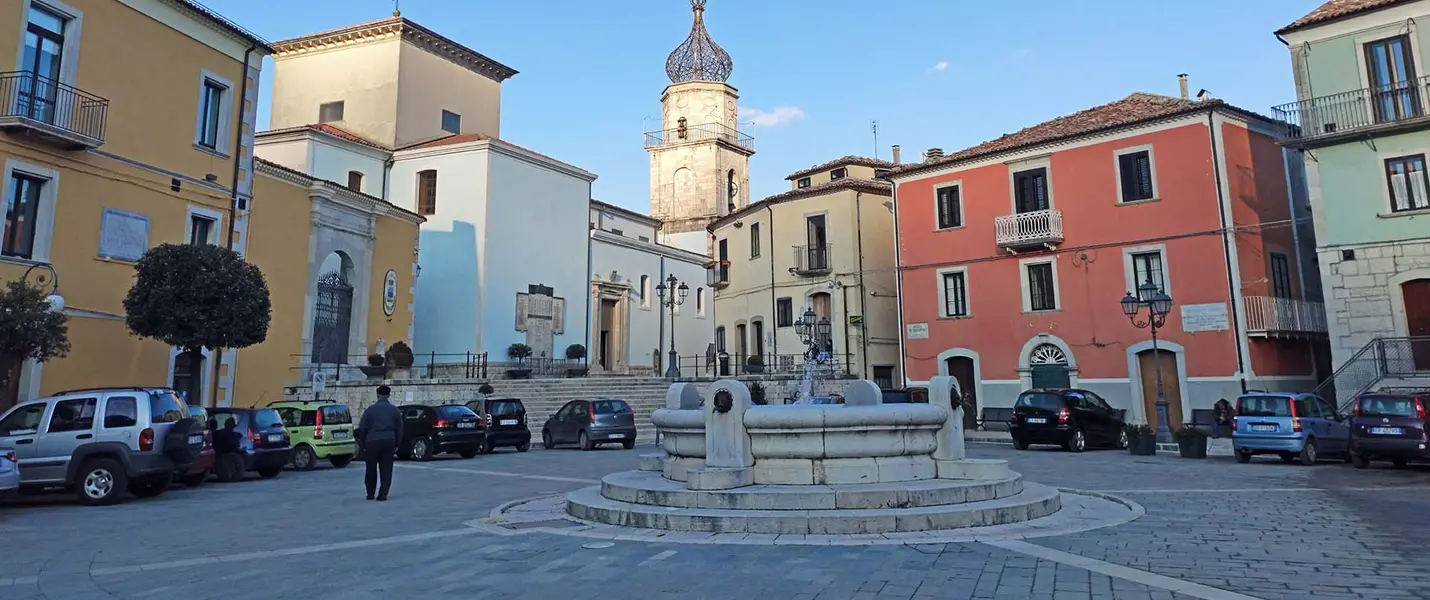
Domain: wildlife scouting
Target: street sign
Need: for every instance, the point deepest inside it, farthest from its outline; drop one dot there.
(320, 382)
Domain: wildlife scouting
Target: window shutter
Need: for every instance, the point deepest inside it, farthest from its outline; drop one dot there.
(1144, 175)
(954, 218)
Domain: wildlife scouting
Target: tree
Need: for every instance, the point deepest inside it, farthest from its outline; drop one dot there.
(196, 296)
(29, 330)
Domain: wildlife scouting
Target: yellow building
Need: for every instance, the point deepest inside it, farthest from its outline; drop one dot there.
(826, 245)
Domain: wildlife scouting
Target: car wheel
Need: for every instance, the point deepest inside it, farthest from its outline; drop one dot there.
(1078, 443)
(1019, 444)
(546, 441)
(229, 467)
(303, 458)
(1122, 441)
(1359, 460)
(340, 460)
(102, 481)
(628, 444)
(1398, 463)
(1308, 453)
(270, 472)
(586, 442)
(489, 446)
(524, 446)
(1243, 456)
(195, 479)
(148, 489)
(472, 453)
(421, 449)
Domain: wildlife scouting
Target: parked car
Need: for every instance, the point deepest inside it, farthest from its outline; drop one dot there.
(1293, 426)
(9, 473)
(142, 439)
(198, 473)
(256, 442)
(319, 430)
(1072, 418)
(447, 428)
(505, 420)
(1390, 426)
(590, 423)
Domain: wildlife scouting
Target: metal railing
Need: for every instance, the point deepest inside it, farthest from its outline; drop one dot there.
(811, 259)
(1353, 110)
(1272, 315)
(718, 276)
(1029, 228)
(697, 133)
(36, 99)
(431, 365)
(1378, 360)
(732, 364)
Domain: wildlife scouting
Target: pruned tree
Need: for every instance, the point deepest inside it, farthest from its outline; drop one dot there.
(29, 330)
(197, 296)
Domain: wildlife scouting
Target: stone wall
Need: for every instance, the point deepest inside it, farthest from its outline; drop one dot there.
(1363, 296)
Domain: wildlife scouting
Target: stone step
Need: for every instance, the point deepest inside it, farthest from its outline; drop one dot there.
(646, 487)
(1033, 502)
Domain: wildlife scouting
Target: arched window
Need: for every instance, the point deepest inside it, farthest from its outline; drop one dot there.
(645, 291)
(355, 181)
(427, 192)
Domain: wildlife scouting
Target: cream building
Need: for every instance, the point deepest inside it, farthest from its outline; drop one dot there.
(826, 245)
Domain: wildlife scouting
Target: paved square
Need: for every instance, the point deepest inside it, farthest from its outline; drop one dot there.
(1212, 529)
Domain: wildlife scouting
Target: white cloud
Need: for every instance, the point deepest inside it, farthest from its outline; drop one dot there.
(779, 115)
(941, 65)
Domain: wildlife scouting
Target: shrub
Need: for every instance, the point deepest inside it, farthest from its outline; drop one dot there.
(376, 360)
(575, 352)
(518, 351)
(486, 389)
(399, 355)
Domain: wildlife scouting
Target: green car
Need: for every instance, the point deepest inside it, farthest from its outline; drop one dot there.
(320, 430)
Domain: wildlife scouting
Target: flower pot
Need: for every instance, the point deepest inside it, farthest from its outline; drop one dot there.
(1142, 444)
(374, 371)
(1193, 447)
(518, 373)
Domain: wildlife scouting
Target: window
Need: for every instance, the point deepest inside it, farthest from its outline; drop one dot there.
(880, 174)
(330, 112)
(1030, 190)
(755, 240)
(757, 335)
(451, 122)
(201, 229)
(784, 312)
(44, 47)
(73, 415)
(24, 421)
(1408, 183)
(720, 339)
(1394, 93)
(643, 238)
(164, 407)
(427, 193)
(700, 302)
(724, 256)
(355, 181)
(21, 214)
(211, 114)
(120, 412)
(617, 231)
(1147, 266)
(955, 294)
(645, 291)
(741, 341)
(802, 183)
(950, 211)
(1041, 294)
(1134, 171)
(884, 377)
(838, 174)
(1280, 276)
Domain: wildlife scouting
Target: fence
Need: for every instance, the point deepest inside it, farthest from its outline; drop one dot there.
(1380, 359)
(431, 365)
(31, 96)
(730, 365)
(1357, 109)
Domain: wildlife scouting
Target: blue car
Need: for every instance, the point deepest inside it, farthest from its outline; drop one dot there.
(1296, 427)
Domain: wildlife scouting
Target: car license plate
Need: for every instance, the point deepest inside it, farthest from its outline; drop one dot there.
(275, 437)
(1037, 420)
(340, 435)
(1387, 431)
(466, 426)
(195, 440)
(1263, 428)
(615, 436)
(507, 422)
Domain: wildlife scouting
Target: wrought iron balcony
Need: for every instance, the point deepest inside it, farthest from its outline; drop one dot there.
(697, 133)
(1029, 229)
(52, 110)
(717, 275)
(1268, 316)
(812, 260)
(1357, 112)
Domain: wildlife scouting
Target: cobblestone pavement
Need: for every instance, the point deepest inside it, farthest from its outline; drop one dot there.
(1213, 529)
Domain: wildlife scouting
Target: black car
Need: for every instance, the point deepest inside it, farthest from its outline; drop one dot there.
(257, 442)
(447, 428)
(1072, 418)
(505, 420)
(590, 423)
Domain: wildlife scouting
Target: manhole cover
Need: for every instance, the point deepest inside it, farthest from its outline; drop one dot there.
(597, 545)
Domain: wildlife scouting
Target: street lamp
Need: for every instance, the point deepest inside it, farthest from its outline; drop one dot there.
(678, 291)
(41, 276)
(1158, 304)
(813, 333)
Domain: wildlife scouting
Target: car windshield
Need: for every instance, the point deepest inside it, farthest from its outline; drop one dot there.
(1043, 400)
(611, 407)
(1263, 406)
(455, 411)
(266, 418)
(1387, 406)
(504, 408)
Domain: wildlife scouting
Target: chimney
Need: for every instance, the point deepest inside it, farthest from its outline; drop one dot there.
(1182, 81)
(933, 153)
(896, 154)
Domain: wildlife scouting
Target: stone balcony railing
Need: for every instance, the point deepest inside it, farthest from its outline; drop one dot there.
(1023, 230)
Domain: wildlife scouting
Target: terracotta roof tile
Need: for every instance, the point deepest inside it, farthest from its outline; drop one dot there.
(1338, 9)
(330, 130)
(861, 161)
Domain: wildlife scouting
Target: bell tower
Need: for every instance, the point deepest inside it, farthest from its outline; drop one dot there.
(699, 159)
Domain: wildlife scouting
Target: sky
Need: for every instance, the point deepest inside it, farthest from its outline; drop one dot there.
(813, 75)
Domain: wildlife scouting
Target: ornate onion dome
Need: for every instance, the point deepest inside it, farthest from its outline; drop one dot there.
(698, 58)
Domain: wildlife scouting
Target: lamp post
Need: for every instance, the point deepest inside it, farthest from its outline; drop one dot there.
(677, 292)
(1158, 304)
(813, 333)
(41, 276)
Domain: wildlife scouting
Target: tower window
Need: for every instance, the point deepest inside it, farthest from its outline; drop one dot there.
(802, 183)
(427, 193)
(839, 173)
(451, 122)
(330, 112)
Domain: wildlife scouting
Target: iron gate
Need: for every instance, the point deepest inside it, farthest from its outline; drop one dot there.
(332, 320)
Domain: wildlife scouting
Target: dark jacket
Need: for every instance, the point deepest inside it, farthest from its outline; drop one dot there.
(380, 422)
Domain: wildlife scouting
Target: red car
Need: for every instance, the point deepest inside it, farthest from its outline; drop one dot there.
(198, 472)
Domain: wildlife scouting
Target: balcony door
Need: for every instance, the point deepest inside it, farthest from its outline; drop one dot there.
(44, 45)
(816, 253)
(1394, 92)
(1030, 190)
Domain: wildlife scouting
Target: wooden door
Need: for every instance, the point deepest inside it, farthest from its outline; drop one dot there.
(1148, 364)
(961, 368)
(1417, 320)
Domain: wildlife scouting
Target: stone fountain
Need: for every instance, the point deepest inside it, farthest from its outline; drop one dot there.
(862, 467)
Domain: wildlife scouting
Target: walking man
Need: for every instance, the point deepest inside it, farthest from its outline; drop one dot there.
(379, 432)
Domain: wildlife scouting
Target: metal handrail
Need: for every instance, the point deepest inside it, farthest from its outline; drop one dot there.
(812, 258)
(1381, 358)
(1356, 109)
(1273, 314)
(31, 96)
(701, 132)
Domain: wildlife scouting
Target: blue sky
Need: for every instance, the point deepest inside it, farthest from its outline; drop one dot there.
(812, 75)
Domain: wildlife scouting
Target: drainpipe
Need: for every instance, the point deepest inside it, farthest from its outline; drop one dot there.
(863, 290)
(899, 285)
(1226, 241)
(232, 214)
(586, 362)
(774, 302)
(386, 171)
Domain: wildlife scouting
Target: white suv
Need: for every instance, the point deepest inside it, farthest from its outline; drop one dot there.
(100, 443)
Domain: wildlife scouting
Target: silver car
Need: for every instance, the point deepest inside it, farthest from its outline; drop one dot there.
(9, 472)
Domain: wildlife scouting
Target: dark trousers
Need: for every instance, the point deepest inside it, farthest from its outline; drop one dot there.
(379, 455)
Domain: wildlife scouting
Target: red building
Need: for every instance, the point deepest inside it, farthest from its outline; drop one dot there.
(1013, 256)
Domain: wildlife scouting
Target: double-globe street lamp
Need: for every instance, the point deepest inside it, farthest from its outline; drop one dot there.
(814, 333)
(672, 293)
(1158, 304)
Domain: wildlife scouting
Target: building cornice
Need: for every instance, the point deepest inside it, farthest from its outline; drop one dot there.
(624, 212)
(651, 247)
(879, 188)
(506, 149)
(336, 192)
(298, 134)
(397, 27)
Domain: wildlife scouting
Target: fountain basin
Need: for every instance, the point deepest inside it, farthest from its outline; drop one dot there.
(682, 436)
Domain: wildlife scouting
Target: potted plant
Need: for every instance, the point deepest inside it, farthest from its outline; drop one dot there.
(576, 352)
(399, 359)
(1141, 439)
(518, 352)
(376, 367)
(755, 364)
(486, 389)
(757, 394)
(1191, 441)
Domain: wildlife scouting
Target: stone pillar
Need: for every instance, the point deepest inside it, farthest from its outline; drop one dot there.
(728, 456)
(863, 392)
(951, 456)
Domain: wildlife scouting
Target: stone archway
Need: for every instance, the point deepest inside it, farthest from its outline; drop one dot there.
(1046, 361)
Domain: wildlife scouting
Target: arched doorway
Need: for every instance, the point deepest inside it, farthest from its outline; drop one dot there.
(1049, 366)
(961, 368)
(1149, 364)
(332, 314)
(1416, 294)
